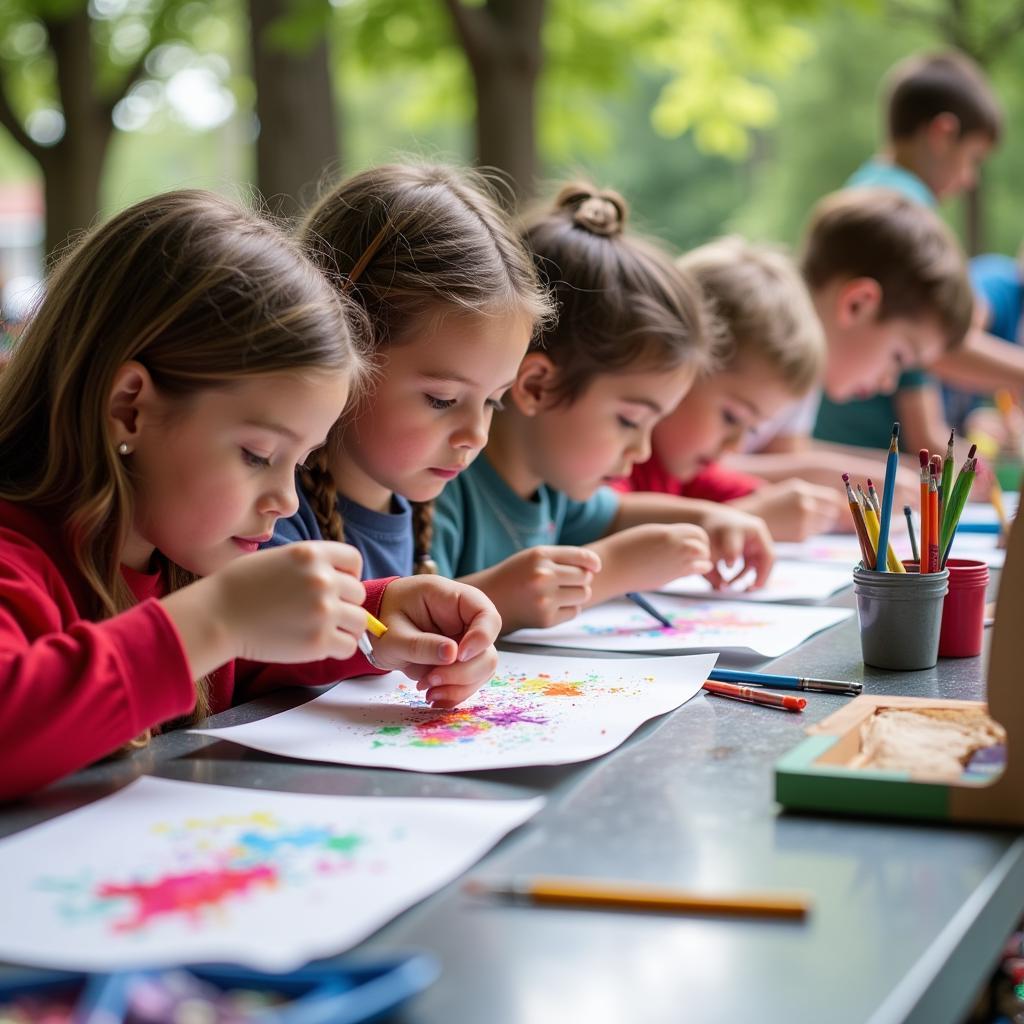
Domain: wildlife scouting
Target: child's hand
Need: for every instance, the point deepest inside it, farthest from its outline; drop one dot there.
(440, 633)
(738, 538)
(648, 556)
(541, 586)
(296, 603)
(795, 509)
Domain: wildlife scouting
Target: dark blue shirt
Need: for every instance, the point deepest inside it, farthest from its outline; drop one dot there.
(384, 539)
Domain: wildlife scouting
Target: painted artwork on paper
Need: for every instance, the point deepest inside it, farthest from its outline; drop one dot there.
(791, 582)
(536, 709)
(176, 872)
(763, 629)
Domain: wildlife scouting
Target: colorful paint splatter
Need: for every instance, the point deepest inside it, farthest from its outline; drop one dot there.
(511, 710)
(701, 618)
(218, 861)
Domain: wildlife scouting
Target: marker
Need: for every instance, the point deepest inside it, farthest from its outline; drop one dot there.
(726, 675)
(755, 696)
(378, 629)
(642, 602)
(614, 895)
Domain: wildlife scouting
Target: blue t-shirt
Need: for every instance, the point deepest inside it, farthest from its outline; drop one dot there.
(867, 422)
(384, 539)
(480, 521)
(999, 280)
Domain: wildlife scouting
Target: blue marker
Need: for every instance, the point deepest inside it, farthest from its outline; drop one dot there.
(725, 675)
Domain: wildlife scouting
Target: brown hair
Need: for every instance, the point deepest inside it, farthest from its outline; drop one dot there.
(620, 300)
(925, 85)
(904, 246)
(198, 290)
(405, 242)
(762, 307)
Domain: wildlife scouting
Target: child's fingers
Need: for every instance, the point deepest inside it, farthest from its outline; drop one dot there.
(343, 557)
(727, 545)
(572, 576)
(579, 558)
(573, 597)
(458, 681)
(405, 646)
(482, 629)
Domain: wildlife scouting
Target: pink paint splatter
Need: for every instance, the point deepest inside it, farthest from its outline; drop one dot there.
(189, 893)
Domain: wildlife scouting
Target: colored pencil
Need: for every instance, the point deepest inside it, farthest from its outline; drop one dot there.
(867, 552)
(617, 895)
(892, 462)
(933, 515)
(947, 477)
(642, 602)
(873, 497)
(377, 628)
(726, 675)
(910, 529)
(755, 696)
(871, 522)
(959, 500)
(926, 519)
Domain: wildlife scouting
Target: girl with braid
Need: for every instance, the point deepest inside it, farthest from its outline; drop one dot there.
(445, 299)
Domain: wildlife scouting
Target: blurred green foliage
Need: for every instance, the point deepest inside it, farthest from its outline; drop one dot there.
(711, 117)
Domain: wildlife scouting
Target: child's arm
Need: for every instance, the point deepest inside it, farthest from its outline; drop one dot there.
(983, 364)
(734, 536)
(922, 419)
(540, 586)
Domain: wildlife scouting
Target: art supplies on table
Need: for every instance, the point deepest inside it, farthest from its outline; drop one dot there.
(840, 549)
(847, 688)
(341, 992)
(607, 894)
(755, 695)
(641, 602)
(768, 630)
(924, 758)
(791, 582)
(167, 872)
(537, 709)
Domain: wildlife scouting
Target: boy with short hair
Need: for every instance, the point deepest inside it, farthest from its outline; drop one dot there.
(772, 356)
(942, 120)
(889, 284)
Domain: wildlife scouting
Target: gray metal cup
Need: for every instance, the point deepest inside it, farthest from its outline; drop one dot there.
(900, 617)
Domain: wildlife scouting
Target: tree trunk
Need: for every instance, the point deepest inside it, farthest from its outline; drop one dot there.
(73, 167)
(298, 137)
(502, 42)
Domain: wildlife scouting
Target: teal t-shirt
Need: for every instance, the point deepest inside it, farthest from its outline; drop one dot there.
(480, 521)
(878, 173)
(867, 422)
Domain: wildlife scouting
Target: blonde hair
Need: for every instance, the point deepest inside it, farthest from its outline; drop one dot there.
(762, 306)
(620, 300)
(405, 242)
(201, 293)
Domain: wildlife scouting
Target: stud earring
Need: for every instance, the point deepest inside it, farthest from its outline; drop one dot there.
(123, 449)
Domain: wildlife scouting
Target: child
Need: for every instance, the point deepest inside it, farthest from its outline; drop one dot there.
(632, 335)
(450, 298)
(942, 122)
(888, 282)
(185, 359)
(775, 355)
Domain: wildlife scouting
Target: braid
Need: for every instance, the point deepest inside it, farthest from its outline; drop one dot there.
(318, 485)
(423, 536)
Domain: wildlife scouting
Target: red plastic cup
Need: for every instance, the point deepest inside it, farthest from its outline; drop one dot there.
(963, 610)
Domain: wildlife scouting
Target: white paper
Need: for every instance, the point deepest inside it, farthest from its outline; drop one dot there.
(765, 629)
(984, 512)
(176, 872)
(790, 582)
(838, 548)
(538, 709)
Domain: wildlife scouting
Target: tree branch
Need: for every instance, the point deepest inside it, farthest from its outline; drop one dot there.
(9, 119)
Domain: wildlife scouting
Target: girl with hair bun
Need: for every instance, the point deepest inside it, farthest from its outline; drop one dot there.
(535, 521)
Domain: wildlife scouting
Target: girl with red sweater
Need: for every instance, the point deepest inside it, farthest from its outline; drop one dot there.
(185, 360)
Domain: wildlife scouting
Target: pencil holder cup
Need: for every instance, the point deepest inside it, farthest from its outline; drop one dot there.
(963, 610)
(900, 617)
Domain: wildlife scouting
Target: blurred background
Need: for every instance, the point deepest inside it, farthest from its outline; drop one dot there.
(709, 115)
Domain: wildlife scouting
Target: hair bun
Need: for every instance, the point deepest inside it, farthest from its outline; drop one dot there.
(600, 213)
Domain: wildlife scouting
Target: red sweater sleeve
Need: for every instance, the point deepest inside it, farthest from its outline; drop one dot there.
(73, 691)
(253, 679)
(716, 483)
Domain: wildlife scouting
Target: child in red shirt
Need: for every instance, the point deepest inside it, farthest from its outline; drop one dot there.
(185, 360)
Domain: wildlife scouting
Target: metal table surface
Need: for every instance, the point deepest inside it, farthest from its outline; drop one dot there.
(908, 919)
